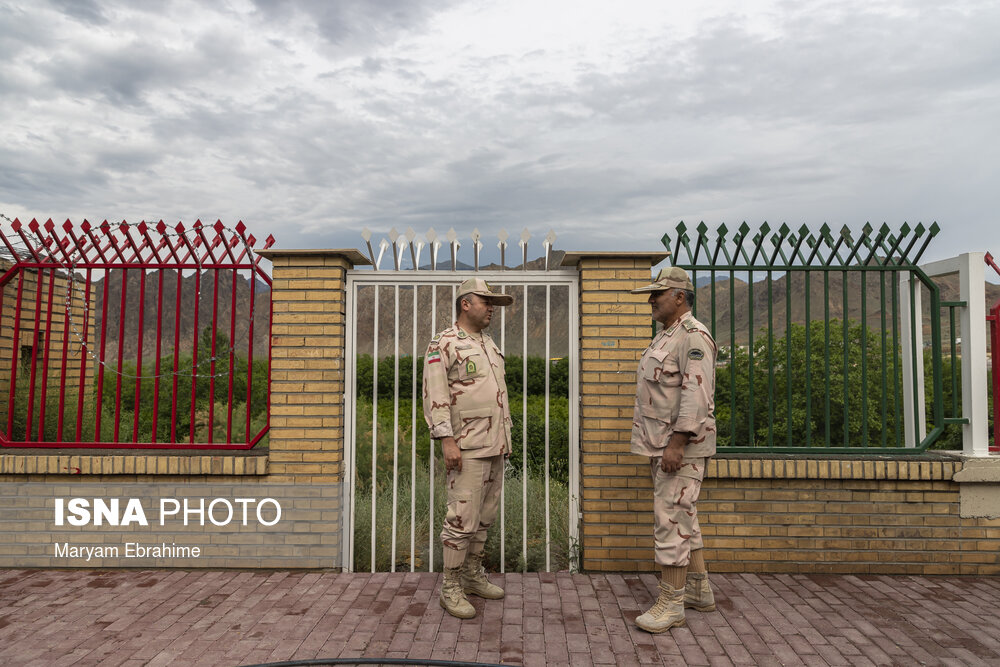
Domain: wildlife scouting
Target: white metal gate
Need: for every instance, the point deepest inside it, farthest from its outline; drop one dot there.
(392, 316)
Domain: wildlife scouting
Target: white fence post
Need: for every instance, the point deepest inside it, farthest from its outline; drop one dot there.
(914, 419)
(971, 270)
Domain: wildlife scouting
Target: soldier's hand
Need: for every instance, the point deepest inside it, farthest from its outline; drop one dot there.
(673, 456)
(452, 454)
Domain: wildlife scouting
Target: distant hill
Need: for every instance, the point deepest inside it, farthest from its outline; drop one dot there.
(190, 287)
(427, 326)
(873, 302)
(512, 316)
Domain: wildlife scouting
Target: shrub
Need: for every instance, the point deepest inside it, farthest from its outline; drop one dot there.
(558, 437)
(426, 533)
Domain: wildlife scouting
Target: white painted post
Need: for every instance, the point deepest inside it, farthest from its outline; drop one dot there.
(972, 276)
(914, 419)
(971, 270)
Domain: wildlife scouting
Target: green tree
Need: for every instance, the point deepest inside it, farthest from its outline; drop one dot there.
(829, 392)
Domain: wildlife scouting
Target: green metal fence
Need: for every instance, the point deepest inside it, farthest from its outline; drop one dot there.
(809, 327)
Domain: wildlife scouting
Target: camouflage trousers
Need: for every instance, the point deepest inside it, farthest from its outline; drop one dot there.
(675, 514)
(473, 502)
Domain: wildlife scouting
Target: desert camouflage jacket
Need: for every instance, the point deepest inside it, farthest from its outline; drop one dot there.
(465, 394)
(675, 390)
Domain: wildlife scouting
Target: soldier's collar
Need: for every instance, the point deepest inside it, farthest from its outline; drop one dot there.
(462, 333)
(680, 320)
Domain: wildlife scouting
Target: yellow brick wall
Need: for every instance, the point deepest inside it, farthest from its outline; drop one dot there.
(758, 515)
(304, 461)
(307, 367)
(615, 329)
(804, 515)
(57, 331)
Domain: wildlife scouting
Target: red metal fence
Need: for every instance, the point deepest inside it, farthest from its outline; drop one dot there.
(90, 358)
(994, 319)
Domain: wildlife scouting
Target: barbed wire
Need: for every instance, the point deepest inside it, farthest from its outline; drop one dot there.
(219, 356)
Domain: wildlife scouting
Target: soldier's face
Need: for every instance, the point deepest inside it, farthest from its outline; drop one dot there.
(665, 304)
(480, 311)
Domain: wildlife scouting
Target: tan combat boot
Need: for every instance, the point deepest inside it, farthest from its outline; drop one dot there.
(474, 581)
(698, 592)
(452, 598)
(666, 613)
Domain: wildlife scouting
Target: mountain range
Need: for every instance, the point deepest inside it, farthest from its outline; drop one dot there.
(431, 320)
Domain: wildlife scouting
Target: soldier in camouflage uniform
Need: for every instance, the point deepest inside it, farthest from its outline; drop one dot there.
(465, 405)
(674, 426)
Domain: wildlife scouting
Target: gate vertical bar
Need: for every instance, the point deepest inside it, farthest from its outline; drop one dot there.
(157, 372)
(250, 363)
(194, 346)
(885, 363)
(138, 354)
(806, 280)
(232, 361)
(83, 356)
(995, 347)
(34, 354)
(211, 359)
(430, 444)
(575, 514)
(395, 422)
(524, 428)
(121, 355)
(413, 435)
(15, 348)
(100, 363)
(548, 367)
(374, 419)
(994, 319)
(770, 356)
(503, 487)
(65, 357)
(350, 423)
(47, 343)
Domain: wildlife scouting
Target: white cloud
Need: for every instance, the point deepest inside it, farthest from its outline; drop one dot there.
(310, 120)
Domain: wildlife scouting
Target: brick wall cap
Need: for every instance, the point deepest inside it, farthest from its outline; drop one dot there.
(573, 257)
(979, 469)
(350, 254)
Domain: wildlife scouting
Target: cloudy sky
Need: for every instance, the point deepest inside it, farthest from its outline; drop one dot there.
(605, 122)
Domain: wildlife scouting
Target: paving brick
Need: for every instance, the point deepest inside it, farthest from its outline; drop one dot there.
(64, 617)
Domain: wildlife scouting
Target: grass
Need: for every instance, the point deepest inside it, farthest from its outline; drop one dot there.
(88, 419)
(427, 534)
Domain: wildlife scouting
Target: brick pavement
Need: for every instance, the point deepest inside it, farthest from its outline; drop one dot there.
(230, 618)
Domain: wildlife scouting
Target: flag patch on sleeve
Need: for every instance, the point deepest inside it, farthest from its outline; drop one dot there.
(434, 357)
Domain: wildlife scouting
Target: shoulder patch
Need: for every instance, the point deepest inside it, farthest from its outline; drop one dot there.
(695, 353)
(690, 325)
(436, 338)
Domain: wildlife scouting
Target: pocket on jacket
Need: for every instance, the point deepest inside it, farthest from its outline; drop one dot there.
(475, 427)
(656, 425)
(662, 369)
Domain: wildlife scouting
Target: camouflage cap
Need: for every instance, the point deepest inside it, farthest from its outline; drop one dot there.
(670, 277)
(480, 287)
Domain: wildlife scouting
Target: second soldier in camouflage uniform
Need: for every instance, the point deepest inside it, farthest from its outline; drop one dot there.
(465, 406)
(674, 425)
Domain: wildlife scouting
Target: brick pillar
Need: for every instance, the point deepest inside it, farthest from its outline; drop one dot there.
(617, 499)
(307, 364)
